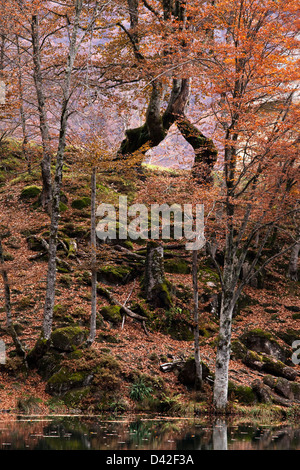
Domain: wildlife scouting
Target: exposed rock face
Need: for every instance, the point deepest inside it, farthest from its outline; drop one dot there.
(262, 342)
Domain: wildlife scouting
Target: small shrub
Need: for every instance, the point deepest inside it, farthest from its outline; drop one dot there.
(139, 390)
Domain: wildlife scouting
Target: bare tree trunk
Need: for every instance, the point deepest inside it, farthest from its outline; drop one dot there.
(26, 155)
(293, 264)
(9, 322)
(55, 211)
(198, 379)
(92, 334)
(223, 354)
(44, 128)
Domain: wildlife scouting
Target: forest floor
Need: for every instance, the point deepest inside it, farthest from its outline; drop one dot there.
(268, 311)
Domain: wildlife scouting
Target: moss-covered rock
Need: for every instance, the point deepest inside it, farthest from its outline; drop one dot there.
(66, 379)
(177, 266)
(112, 314)
(81, 203)
(241, 393)
(266, 364)
(187, 374)
(114, 274)
(68, 338)
(35, 243)
(263, 342)
(289, 335)
(49, 364)
(238, 349)
(74, 398)
(30, 192)
(74, 231)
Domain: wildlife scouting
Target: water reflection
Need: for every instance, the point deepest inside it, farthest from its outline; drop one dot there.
(220, 435)
(77, 433)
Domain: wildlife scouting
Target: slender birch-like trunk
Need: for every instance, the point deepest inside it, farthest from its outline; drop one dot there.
(26, 155)
(44, 127)
(9, 323)
(198, 379)
(293, 264)
(223, 354)
(51, 275)
(93, 318)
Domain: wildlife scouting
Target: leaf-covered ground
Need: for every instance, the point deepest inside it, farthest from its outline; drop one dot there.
(266, 308)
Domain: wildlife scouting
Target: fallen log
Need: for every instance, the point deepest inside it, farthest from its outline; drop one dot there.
(126, 310)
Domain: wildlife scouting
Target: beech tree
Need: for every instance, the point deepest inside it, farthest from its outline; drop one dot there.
(251, 75)
(166, 27)
(75, 42)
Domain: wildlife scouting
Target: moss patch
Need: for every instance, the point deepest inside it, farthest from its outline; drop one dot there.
(177, 266)
(30, 192)
(81, 203)
(114, 274)
(112, 314)
(68, 338)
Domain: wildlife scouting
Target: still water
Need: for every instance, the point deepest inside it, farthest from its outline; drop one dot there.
(140, 433)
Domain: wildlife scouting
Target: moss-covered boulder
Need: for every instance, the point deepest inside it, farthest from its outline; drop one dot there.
(81, 203)
(289, 335)
(174, 321)
(35, 243)
(66, 379)
(49, 364)
(177, 266)
(114, 274)
(86, 379)
(263, 342)
(112, 314)
(269, 365)
(30, 192)
(238, 350)
(67, 339)
(241, 393)
(187, 374)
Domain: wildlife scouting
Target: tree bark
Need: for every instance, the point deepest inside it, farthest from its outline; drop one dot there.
(198, 379)
(293, 264)
(93, 319)
(44, 127)
(223, 354)
(154, 269)
(55, 211)
(26, 154)
(9, 323)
